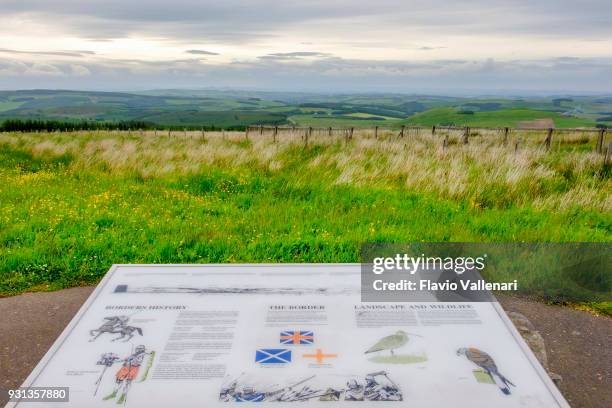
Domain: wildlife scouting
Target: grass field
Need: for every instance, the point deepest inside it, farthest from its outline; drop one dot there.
(5, 106)
(231, 109)
(503, 117)
(342, 121)
(72, 204)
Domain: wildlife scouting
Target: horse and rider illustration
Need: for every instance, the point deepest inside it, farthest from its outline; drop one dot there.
(116, 325)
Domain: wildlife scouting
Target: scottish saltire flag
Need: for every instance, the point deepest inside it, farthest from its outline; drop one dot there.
(297, 337)
(273, 356)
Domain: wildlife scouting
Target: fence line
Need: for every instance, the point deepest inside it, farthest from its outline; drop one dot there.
(309, 134)
(433, 129)
(466, 132)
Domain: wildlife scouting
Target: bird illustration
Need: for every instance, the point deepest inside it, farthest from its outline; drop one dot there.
(486, 362)
(392, 342)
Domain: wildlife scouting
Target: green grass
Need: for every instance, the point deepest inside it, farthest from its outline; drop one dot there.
(340, 121)
(215, 118)
(399, 359)
(6, 106)
(236, 108)
(313, 110)
(499, 118)
(70, 208)
(180, 102)
(368, 115)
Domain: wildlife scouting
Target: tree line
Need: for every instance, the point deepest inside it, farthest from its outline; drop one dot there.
(35, 125)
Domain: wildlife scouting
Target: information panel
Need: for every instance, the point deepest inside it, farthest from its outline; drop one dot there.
(217, 335)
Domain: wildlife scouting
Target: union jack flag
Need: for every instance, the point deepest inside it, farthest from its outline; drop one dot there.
(297, 337)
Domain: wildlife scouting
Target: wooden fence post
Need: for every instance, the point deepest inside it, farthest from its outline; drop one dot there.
(548, 140)
(351, 134)
(433, 130)
(506, 130)
(600, 139)
(466, 135)
(445, 144)
(516, 146)
(402, 131)
(375, 132)
(261, 129)
(329, 131)
(274, 134)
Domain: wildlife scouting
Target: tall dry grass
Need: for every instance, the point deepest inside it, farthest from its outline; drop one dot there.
(486, 172)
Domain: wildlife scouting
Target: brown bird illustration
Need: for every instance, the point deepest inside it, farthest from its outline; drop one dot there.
(486, 362)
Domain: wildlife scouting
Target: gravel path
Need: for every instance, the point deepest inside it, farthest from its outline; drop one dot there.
(579, 344)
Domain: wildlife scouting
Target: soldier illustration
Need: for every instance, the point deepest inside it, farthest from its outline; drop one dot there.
(375, 386)
(379, 387)
(128, 372)
(354, 391)
(106, 360)
(227, 393)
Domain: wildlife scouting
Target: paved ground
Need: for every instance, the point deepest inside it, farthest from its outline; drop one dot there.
(579, 347)
(579, 344)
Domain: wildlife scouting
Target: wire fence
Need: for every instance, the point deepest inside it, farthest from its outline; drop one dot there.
(449, 135)
(549, 139)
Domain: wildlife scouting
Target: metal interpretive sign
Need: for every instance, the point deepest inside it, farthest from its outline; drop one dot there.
(216, 335)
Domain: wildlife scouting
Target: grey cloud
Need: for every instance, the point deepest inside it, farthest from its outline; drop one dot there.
(426, 48)
(48, 53)
(450, 61)
(247, 20)
(326, 74)
(299, 54)
(568, 59)
(345, 24)
(293, 55)
(10, 68)
(188, 60)
(201, 52)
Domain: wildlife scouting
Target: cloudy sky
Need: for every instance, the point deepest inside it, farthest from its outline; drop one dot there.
(412, 46)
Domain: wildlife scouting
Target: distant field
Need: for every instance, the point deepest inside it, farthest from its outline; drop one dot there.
(497, 118)
(73, 204)
(212, 118)
(344, 121)
(6, 106)
(231, 109)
